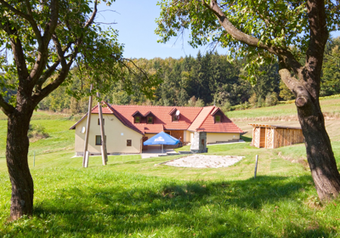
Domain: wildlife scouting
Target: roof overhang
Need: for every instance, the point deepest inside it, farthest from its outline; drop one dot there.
(274, 126)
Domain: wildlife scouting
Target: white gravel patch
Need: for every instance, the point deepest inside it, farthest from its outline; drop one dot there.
(204, 161)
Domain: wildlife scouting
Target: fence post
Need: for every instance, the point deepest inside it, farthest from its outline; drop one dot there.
(257, 159)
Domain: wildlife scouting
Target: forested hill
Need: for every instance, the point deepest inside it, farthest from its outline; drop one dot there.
(203, 80)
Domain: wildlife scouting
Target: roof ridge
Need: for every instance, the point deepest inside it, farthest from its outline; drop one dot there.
(75, 124)
(108, 105)
(124, 120)
(205, 118)
(154, 106)
(195, 118)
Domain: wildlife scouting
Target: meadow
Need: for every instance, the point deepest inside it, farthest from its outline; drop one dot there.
(134, 197)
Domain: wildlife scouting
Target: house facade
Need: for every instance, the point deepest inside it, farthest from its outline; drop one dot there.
(127, 126)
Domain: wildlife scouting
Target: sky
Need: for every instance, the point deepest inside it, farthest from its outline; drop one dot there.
(135, 21)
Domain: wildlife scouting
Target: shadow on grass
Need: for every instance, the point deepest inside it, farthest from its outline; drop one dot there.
(169, 209)
(246, 138)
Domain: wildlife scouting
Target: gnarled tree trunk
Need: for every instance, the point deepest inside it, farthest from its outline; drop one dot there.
(319, 150)
(19, 173)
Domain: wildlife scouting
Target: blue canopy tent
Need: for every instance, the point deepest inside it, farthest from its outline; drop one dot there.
(162, 138)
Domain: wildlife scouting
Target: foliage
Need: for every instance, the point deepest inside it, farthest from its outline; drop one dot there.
(271, 99)
(285, 25)
(224, 84)
(285, 93)
(36, 132)
(266, 31)
(331, 69)
(46, 39)
(209, 78)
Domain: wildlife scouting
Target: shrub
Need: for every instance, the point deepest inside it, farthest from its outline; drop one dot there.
(37, 132)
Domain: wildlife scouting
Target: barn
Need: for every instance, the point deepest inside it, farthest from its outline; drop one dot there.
(271, 136)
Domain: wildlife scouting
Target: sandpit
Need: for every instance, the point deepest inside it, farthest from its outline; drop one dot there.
(204, 161)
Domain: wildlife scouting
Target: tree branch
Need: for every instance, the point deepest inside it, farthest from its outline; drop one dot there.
(318, 38)
(42, 57)
(14, 10)
(60, 51)
(41, 94)
(33, 23)
(27, 17)
(231, 29)
(134, 64)
(38, 96)
(48, 73)
(94, 13)
(5, 107)
(287, 57)
(18, 52)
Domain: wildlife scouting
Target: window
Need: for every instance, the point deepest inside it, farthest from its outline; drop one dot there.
(98, 140)
(174, 117)
(99, 121)
(217, 118)
(128, 142)
(150, 120)
(137, 119)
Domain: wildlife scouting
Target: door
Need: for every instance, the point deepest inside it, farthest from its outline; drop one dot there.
(263, 137)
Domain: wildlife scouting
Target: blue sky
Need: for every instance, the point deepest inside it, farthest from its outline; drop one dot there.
(135, 20)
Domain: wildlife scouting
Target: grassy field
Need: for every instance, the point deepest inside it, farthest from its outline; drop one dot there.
(329, 106)
(134, 197)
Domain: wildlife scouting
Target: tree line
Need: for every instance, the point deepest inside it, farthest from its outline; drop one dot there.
(209, 79)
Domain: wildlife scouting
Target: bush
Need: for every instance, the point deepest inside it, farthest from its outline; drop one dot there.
(37, 132)
(271, 99)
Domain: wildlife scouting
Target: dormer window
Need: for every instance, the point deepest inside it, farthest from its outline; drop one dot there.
(217, 114)
(175, 114)
(149, 120)
(137, 119)
(217, 118)
(149, 117)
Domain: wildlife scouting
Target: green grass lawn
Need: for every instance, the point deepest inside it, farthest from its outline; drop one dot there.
(328, 105)
(134, 197)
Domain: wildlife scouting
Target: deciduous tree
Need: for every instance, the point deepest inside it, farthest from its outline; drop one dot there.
(45, 39)
(271, 31)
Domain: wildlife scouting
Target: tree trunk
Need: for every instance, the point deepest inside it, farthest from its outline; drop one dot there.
(19, 173)
(318, 147)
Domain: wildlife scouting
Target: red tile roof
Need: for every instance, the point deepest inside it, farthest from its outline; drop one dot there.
(190, 118)
(107, 109)
(196, 124)
(162, 117)
(226, 125)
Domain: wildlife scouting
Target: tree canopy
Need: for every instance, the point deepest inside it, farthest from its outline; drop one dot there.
(40, 42)
(292, 33)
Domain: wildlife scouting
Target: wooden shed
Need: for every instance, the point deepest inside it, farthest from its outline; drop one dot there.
(270, 136)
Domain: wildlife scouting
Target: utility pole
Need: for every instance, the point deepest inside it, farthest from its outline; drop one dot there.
(102, 133)
(87, 132)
